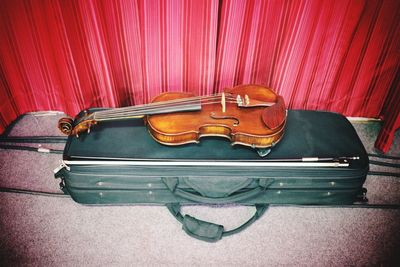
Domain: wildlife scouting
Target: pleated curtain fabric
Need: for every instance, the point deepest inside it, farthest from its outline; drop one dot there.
(341, 56)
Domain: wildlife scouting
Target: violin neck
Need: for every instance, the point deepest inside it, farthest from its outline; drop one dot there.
(141, 111)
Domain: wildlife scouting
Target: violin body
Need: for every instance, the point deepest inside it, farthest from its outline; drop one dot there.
(241, 125)
(249, 115)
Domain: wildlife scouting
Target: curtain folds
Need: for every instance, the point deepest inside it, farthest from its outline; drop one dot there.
(341, 56)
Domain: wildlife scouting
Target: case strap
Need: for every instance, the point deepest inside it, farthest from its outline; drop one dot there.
(207, 231)
(172, 185)
(6, 140)
(34, 149)
(33, 139)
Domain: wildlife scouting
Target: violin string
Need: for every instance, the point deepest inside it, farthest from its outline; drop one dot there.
(144, 111)
(167, 102)
(140, 114)
(195, 100)
(153, 107)
(156, 110)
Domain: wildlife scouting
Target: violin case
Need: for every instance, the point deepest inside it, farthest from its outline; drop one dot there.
(319, 161)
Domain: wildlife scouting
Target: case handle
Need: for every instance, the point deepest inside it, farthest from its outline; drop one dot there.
(207, 231)
(172, 185)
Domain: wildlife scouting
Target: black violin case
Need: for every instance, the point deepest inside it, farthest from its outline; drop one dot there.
(319, 161)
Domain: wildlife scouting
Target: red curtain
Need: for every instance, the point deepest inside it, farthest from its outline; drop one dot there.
(341, 56)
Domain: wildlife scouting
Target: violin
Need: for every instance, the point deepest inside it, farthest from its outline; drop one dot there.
(249, 115)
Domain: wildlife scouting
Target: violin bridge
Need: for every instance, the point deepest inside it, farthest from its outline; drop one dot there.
(223, 102)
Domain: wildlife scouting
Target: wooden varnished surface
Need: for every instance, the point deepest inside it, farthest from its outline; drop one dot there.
(186, 127)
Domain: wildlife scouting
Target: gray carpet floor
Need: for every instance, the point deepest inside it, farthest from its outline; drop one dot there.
(50, 231)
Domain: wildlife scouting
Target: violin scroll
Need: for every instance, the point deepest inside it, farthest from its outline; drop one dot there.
(66, 126)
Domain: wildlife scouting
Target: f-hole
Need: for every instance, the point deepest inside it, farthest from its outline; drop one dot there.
(216, 117)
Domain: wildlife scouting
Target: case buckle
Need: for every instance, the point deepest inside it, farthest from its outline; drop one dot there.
(362, 196)
(62, 166)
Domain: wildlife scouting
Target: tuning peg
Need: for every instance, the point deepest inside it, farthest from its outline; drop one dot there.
(223, 102)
